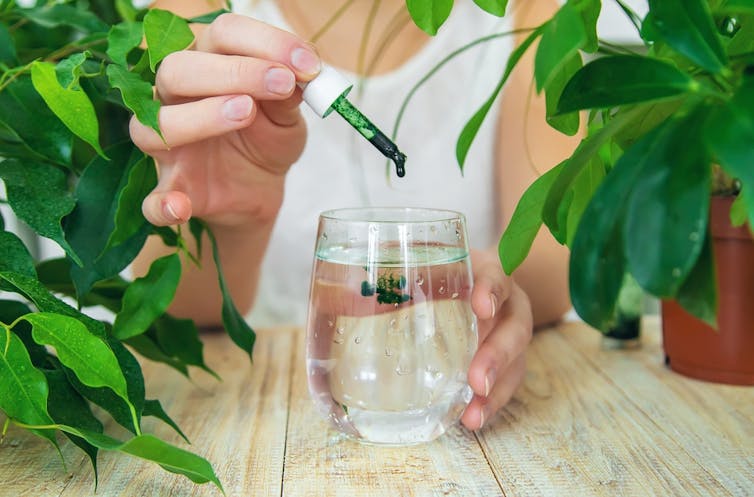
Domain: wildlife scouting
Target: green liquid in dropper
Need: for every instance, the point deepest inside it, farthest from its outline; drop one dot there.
(369, 131)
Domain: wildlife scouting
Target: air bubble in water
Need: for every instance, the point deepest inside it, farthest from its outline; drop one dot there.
(441, 290)
(338, 340)
(330, 324)
(357, 340)
(420, 280)
(388, 352)
(454, 296)
(340, 330)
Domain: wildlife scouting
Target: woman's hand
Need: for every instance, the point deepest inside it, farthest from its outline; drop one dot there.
(231, 124)
(505, 329)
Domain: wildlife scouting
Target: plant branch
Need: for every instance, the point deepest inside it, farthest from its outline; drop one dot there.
(69, 49)
(366, 35)
(336, 15)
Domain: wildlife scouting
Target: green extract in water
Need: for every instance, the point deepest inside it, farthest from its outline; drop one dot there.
(371, 132)
(327, 92)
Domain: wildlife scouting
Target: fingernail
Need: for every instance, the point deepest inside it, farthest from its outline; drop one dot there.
(170, 212)
(493, 304)
(279, 80)
(305, 60)
(489, 380)
(238, 108)
(481, 418)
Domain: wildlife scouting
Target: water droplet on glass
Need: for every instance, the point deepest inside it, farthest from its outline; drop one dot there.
(458, 234)
(433, 229)
(324, 236)
(676, 272)
(446, 225)
(420, 280)
(338, 340)
(402, 369)
(441, 290)
(340, 330)
(392, 323)
(454, 296)
(357, 340)
(316, 334)
(388, 352)
(330, 323)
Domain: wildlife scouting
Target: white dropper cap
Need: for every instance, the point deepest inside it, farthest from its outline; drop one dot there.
(321, 92)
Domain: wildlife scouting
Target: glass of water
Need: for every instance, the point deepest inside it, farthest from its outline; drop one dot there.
(390, 330)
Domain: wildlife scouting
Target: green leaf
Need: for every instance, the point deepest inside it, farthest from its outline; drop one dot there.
(429, 15)
(66, 406)
(209, 17)
(567, 124)
(106, 398)
(525, 222)
(45, 301)
(148, 297)
(668, 209)
(580, 159)
(23, 389)
(729, 134)
(88, 356)
(597, 264)
(137, 95)
(742, 42)
(746, 6)
(128, 217)
(7, 47)
(38, 194)
(179, 338)
(584, 186)
(89, 226)
(126, 9)
(562, 37)
(15, 256)
(240, 332)
(652, 115)
(698, 294)
(590, 13)
(10, 311)
(54, 15)
(197, 230)
(495, 7)
(55, 274)
(165, 33)
(687, 27)
(470, 130)
(738, 213)
(73, 107)
(69, 70)
(121, 39)
(153, 449)
(154, 408)
(146, 345)
(24, 112)
(622, 79)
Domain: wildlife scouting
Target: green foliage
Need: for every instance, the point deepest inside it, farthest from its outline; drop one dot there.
(71, 73)
(633, 198)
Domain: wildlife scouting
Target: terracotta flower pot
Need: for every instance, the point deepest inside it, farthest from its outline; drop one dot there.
(726, 355)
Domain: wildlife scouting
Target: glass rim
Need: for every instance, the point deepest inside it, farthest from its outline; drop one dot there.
(391, 215)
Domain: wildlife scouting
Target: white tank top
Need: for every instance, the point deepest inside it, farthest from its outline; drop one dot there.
(339, 168)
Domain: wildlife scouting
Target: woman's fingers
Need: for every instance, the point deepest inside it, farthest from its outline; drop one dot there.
(481, 408)
(506, 342)
(241, 35)
(189, 74)
(166, 208)
(194, 121)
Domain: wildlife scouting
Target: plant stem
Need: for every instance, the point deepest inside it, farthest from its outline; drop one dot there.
(631, 14)
(366, 35)
(69, 49)
(316, 36)
(16, 73)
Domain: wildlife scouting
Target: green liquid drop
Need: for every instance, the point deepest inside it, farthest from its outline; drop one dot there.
(368, 130)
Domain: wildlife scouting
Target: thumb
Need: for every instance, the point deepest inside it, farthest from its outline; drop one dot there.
(166, 208)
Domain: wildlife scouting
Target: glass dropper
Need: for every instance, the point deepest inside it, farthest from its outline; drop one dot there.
(328, 92)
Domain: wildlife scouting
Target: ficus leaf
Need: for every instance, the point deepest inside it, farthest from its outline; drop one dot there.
(146, 346)
(240, 332)
(567, 124)
(137, 95)
(72, 106)
(69, 70)
(147, 298)
(583, 188)
(495, 7)
(429, 15)
(737, 6)
(562, 37)
(153, 449)
(23, 388)
(89, 226)
(165, 33)
(525, 222)
(687, 26)
(10, 311)
(622, 79)
(470, 130)
(209, 17)
(179, 338)
(24, 111)
(88, 356)
(15, 256)
(7, 47)
(58, 14)
(39, 195)
(128, 217)
(154, 408)
(121, 39)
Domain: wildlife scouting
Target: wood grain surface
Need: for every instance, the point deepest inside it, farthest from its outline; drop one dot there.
(587, 421)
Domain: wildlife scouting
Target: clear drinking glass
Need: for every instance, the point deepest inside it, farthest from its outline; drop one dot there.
(390, 330)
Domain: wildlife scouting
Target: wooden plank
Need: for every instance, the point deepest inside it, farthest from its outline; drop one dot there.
(321, 462)
(712, 423)
(238, 424)
(569, 431)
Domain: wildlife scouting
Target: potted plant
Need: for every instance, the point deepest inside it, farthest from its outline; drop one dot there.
(637, 197)
(71, 74)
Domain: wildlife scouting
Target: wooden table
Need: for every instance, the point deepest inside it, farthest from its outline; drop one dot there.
(587, 421)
